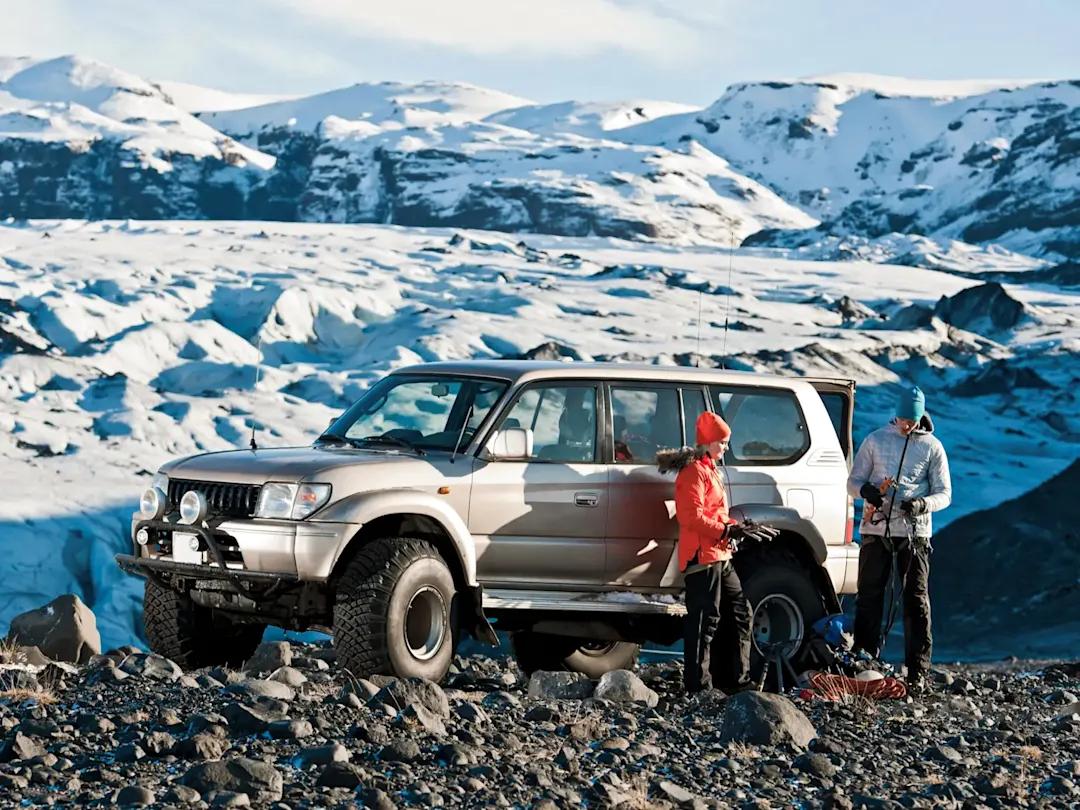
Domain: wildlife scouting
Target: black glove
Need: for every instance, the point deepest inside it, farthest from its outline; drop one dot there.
(872, 495)
(748, 530)
(913, 507)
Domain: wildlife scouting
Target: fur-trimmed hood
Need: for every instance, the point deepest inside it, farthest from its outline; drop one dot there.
(676, 460)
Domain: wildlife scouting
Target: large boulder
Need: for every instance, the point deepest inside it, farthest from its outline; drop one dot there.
(64, 630)
(261, 781)
(622, 686)
(403, 692)
(560, 686)
(762, 718)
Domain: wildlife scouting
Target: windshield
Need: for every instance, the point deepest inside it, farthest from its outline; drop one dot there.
(424, 412)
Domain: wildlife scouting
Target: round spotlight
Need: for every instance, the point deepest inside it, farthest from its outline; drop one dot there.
(142, 537)
(193, 507)
(152, 504)
(193, 543)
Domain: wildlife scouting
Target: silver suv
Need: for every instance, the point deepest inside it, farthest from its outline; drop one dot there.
(518, 496)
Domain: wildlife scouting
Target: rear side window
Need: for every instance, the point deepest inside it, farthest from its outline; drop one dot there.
(767, 425)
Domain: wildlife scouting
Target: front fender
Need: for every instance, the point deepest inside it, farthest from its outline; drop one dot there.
(366, 507)
(785, 519)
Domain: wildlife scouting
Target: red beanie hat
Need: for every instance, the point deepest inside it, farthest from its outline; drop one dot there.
(711, 428)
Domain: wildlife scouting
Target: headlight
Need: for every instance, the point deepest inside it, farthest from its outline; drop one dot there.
(193, 507)
(291, 501)
(152, 504)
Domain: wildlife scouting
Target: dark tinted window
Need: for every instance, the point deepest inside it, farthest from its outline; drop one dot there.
(767, 426)
(644, 420)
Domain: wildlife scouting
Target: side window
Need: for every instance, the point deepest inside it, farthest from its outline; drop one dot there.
(693, 400)
(767, 425)
(562, 419)
(644, 420)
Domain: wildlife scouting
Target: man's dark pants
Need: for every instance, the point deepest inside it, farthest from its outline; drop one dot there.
(875, 568)
(714, 597)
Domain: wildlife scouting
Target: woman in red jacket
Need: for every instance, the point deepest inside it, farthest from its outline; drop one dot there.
(713, 588)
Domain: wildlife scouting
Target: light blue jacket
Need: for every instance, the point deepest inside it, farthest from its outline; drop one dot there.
(925, 475)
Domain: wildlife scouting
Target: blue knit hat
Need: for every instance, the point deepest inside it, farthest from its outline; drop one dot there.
(911, 405)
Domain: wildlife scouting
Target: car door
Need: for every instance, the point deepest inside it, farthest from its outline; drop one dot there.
(642, 534)
(543, 521)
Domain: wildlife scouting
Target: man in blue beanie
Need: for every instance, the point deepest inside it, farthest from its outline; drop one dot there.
(902, 472)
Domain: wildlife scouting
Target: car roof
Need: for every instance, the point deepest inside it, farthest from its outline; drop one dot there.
(519, 370)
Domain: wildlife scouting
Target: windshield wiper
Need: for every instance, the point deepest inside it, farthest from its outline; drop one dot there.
(339, 439)
(395, 440)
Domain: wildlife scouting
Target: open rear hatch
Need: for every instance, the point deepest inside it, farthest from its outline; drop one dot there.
(839, 398)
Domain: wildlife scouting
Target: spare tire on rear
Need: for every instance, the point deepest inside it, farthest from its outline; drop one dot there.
(394, 611)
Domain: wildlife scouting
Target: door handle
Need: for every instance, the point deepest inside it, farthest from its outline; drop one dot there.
(586, 499)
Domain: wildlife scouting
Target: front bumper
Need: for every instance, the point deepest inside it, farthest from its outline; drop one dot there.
(301, 550)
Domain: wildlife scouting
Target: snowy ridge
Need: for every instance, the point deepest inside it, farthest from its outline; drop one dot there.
(985, 162)
(383, 105)
(125, 344)
(884, 155)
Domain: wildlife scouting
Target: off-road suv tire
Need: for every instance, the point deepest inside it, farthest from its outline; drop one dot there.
(540, 652)
(395, 611)
(777, 574)
(192, 636)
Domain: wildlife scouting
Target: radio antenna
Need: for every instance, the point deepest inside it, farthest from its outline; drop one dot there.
(727, 314)
(258, 367)
(697, 353)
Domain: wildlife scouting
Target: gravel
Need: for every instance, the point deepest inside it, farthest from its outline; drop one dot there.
(289, 732)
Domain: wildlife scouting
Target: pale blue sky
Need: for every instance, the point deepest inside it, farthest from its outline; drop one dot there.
(549, 50)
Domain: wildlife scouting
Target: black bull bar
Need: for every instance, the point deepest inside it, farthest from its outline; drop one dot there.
(241, 579)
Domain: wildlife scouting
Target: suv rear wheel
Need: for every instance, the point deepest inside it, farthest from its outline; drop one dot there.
(539, 652)
(785, 603)
(394, 611)
(191, 635)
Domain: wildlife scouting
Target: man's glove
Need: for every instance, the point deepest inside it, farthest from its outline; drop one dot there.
(749, 530)
(913, 507)
(872, 495)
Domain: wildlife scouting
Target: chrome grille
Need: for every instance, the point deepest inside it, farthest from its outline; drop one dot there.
(223, 500)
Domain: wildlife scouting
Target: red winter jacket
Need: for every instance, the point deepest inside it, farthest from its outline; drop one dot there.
(700, 507)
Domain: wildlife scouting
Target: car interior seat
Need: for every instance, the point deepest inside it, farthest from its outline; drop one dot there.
(577, 433)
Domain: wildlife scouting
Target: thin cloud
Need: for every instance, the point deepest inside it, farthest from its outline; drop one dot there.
(516, 27)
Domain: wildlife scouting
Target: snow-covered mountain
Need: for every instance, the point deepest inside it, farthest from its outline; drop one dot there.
(124, 344)
(785, 163)
(975, 161)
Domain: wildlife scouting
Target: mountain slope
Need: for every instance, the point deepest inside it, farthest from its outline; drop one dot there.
(373, 106)
(880, 155)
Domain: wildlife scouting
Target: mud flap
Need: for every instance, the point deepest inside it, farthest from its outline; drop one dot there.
(481, 628)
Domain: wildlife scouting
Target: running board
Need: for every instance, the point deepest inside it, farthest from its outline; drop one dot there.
(610, 602)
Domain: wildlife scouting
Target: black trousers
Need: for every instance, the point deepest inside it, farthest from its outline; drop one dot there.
(875, 568)
(716, 645)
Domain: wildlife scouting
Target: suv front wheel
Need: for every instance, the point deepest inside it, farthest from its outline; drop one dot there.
(193, 636)
(539, 652)
(394, 611)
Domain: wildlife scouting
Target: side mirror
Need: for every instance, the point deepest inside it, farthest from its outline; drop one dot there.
(510, 444)
(331, 423)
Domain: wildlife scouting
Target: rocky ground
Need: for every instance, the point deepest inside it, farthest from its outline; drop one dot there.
(288, 730)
